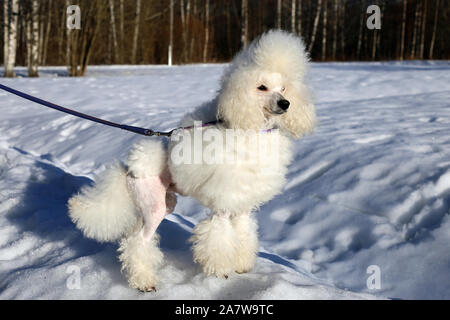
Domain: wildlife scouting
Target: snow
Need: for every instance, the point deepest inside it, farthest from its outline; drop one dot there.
(370, 187)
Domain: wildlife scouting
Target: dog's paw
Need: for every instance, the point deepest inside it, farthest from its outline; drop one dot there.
(143, 282)
(147, 289)
(242, 271)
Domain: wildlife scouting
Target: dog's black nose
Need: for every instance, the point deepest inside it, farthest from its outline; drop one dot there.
(283, 104)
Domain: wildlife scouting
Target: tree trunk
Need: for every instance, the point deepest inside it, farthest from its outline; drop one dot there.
(68, 39)
(81, 42)
(293, 15)
(343, 29)
(136, 31)
(41, 18)
(335, 34)
(61, 29)
(299, 18)
(191, 45)
(122, 35)
(402, 40)
(244, 23)
(34, 40)
(187, 31)
(228, 16)
(279, 14)
(47, 34)
(206, 43)
(424, 23)
(115, 46)
(361, 29)
(5, 33)
(13, 9)
(183, 29)
(416, 31)
(433, 37)
(170, 51)
(374, 44)
(324, 30)
(316, 24)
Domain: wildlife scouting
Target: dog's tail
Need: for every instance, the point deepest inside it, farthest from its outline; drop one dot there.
(106, 211)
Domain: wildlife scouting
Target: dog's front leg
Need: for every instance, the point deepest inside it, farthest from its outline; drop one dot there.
(215, 245)
(140, 254)
(246, 229)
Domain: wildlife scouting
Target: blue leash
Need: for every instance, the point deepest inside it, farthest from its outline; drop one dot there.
(138, 130)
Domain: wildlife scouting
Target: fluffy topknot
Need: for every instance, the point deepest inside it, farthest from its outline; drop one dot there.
(275, 51)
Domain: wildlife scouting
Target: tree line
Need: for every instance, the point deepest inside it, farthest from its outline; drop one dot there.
(35, 33)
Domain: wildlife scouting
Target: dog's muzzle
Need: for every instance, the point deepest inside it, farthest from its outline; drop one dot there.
(278, 105)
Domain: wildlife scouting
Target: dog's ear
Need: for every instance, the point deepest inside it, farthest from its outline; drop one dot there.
(236, 106)
(300, 117)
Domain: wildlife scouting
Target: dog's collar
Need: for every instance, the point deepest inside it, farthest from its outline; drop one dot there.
(215, 122)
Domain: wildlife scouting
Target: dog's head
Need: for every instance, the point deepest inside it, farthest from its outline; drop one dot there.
(263, 87)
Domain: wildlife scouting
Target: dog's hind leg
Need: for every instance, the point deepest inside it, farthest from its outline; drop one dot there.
(140, 254)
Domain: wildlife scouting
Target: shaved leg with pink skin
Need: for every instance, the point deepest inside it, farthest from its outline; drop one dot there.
(141, 255)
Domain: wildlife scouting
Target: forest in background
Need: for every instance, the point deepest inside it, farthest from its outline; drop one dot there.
(34, 33)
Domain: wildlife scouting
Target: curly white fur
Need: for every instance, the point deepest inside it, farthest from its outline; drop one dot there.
(268, 70)
(147, 158)
(215, 245)
(246, 229)
(140, 259)
(105, 212)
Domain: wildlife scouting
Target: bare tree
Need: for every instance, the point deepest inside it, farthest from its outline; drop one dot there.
(46, 36)
(207, 31)
(184, 28)
(122, 33)
(433, 37)
(169, 58)
(113, 31)
(137, 21)
(33, 39)
(402, 40)
(424, 23)
(5, 32)
(316, 24)
(206, 43)
(12, 9)
(416, 30)
(192, 44)
(374, 43)
(68, 38)
(228, 17)
(43, 7)
(342, 19)
(293, 15)
(324, 30)
(188, 30)
(335, 34)
(279, 9)
(80, 43)
(244, 23)
(375, 40)
(361, 29)
(299, 16)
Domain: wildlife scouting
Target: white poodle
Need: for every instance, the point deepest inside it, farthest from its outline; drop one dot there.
(261, 104)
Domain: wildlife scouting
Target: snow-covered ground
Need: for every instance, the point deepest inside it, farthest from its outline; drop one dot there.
(370, 187)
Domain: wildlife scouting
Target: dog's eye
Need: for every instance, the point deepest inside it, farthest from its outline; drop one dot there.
(282, 89)
(262, 88)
